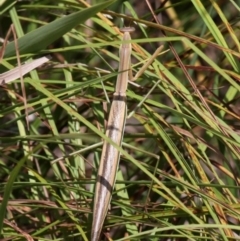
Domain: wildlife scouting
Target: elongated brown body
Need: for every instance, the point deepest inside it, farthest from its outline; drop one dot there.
(115, 128)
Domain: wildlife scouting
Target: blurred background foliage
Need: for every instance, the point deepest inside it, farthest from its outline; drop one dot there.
(180, 180)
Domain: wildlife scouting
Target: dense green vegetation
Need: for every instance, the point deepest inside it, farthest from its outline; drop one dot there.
(179, 171)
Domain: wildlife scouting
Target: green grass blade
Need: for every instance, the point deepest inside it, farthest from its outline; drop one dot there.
(40, 38)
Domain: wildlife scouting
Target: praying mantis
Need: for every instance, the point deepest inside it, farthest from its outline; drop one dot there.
(115, 128)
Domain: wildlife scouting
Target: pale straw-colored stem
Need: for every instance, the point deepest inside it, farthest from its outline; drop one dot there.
(115, 128)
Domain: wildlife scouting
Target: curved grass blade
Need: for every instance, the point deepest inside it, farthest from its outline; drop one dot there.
(40, 38)
(19, 71)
